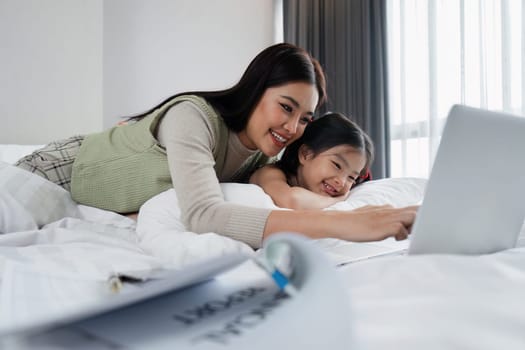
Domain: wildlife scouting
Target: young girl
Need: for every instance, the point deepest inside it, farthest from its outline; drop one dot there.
(319, 168)
(194, 140)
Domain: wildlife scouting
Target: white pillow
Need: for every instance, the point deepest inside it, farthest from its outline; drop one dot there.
(162, 212)
(11, 153)
(28, 201)
(247, 194)
(397, 192)
(162, 234)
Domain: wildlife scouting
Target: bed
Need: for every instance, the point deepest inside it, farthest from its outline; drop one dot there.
(416, 302)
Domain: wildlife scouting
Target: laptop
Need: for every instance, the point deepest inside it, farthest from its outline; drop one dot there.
(474, 200)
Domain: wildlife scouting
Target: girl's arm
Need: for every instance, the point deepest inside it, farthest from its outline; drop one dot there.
(273, 182)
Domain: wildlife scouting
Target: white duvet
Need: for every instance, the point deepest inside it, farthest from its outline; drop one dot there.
(420, 302)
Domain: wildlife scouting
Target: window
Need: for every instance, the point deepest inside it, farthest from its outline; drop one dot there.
(443, 52)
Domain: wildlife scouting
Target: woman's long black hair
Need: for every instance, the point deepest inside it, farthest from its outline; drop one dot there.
(330, 130)
(276, 65)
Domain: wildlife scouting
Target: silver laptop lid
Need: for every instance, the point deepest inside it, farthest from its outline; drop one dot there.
(475, 197)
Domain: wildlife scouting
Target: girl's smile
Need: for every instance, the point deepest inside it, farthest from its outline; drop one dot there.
(332, 172)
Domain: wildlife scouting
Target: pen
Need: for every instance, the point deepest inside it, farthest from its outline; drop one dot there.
(280, 279)
(283, 283)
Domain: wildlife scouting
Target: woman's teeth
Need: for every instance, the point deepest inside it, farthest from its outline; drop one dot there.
(278, 137)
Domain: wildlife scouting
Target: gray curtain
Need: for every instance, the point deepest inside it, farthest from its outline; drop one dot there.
(348, 37)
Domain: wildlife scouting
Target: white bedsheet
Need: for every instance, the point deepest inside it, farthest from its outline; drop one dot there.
(440, 302)
(419, 302)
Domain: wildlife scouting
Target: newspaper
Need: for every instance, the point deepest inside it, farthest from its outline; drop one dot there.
(244, 307)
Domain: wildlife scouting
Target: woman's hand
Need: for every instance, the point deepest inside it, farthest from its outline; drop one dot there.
(374, 223)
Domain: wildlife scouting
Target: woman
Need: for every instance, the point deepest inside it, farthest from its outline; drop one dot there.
(193, 141)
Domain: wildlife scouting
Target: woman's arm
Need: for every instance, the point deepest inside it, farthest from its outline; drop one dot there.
(189, 139)
(371, 223)
(273, 182)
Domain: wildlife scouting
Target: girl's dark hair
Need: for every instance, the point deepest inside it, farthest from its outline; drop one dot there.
(330, 130)
(276, 65)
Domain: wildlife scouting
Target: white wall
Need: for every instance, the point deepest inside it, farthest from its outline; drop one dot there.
(50, 69)
(75, 66)
(153, 49)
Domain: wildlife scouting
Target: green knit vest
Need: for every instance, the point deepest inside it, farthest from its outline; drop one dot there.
(121, 168)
